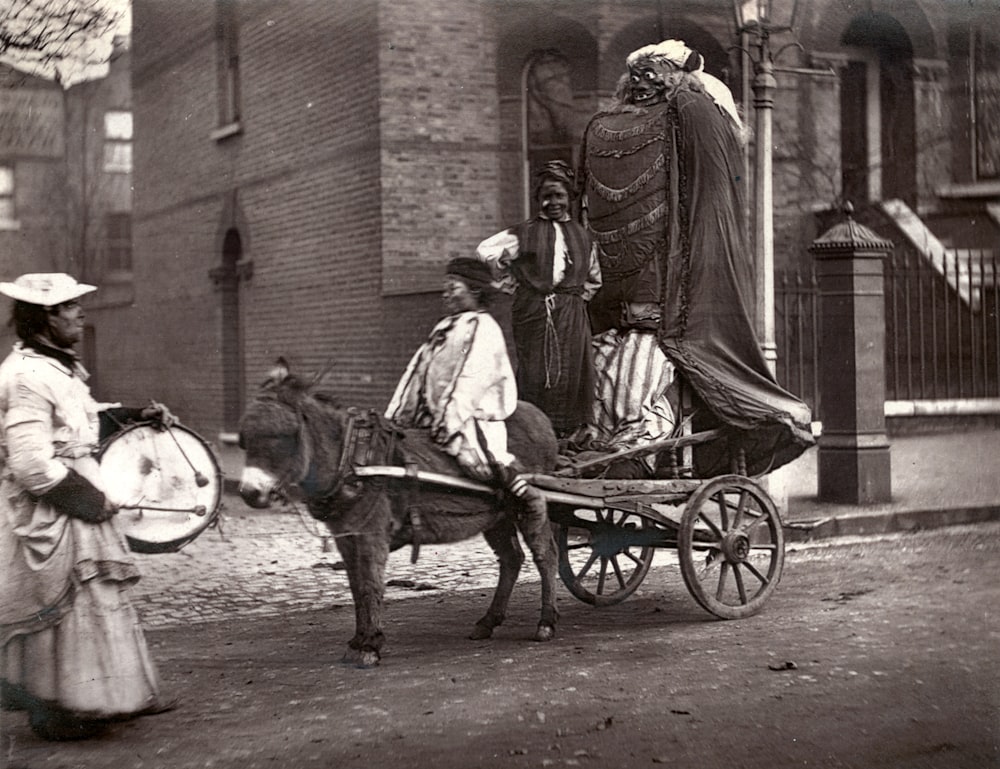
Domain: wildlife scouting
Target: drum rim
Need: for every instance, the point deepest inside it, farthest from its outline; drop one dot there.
(139, 545)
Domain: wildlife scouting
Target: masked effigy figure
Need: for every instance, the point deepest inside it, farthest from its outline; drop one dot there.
(666, 209)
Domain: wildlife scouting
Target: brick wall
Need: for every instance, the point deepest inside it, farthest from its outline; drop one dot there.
(299, 182)
(378, 140)
(438, 121)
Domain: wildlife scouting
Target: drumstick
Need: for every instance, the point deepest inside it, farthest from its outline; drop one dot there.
(197, 509)
(200, 479)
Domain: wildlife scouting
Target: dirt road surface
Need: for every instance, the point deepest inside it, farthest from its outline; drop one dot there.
(872, 653)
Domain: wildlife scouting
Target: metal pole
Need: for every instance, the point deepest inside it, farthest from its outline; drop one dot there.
(764, 87)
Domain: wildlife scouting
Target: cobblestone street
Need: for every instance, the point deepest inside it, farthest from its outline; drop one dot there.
(268, 563)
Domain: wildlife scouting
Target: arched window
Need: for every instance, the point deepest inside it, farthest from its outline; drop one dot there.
(550, 117)
(228, 63)
(547, 82)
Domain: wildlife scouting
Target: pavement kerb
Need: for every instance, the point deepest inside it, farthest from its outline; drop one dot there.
(878, 522)
(886, 522)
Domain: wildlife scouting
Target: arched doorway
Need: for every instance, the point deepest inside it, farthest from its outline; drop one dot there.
(877, 117)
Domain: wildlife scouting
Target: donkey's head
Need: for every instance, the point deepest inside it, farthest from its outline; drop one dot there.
(276, 435)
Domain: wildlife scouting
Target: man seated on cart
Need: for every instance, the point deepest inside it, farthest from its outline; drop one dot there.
(665, 200)
(460, 385)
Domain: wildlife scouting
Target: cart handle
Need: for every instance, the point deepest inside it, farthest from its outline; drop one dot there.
(665, 443)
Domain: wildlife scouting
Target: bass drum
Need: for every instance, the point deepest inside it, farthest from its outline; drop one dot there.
(166, 483)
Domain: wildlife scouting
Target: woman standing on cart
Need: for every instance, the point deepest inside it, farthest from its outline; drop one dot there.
(552, 268)
(73, 653)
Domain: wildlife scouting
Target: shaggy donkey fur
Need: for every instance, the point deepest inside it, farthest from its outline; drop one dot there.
(294, 436)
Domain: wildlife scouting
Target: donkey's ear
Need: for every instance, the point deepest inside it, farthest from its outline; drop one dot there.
(319, 375)
(279, 372)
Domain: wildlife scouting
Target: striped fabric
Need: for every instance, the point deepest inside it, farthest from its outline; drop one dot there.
(636, 390)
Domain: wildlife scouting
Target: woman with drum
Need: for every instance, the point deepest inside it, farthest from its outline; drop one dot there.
(73, 653)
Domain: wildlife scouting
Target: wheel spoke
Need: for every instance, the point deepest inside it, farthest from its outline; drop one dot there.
(739, 583)
(740, 515)
(753, 570)
(618, 572)
(711, 563)
(604, 554)
(721, 587)
(759, 519)
(603, 576)
(586, 567)
(635, 559)
(711, 524)
(720, 498)
(740, 509)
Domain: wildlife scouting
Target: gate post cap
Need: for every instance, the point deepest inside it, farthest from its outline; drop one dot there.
(849, 235)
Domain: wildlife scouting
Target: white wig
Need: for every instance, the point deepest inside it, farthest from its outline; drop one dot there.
(678, 55)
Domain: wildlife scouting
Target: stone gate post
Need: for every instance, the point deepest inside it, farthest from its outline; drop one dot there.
(854, 465)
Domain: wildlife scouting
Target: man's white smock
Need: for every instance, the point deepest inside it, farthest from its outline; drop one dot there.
(458, 385)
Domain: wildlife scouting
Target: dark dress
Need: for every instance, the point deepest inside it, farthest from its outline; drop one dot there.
(551, 325)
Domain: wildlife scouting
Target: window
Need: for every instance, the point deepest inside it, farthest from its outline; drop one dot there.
(552, 119)
(118, 141)
(228, 67)
(6, 193)
(986, 104)
(118, 242)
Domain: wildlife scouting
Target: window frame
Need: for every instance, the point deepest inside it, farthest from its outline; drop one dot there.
(117, 143)
(8, 200)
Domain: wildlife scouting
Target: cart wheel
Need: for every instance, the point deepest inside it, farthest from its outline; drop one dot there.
(604, 554)
(731, 546)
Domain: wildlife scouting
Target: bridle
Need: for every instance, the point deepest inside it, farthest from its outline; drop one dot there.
(305, 466)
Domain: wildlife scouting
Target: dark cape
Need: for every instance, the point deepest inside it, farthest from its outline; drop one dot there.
(667, 210)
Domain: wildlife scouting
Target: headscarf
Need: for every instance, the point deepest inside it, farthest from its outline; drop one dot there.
(556, 170)
(676, 54)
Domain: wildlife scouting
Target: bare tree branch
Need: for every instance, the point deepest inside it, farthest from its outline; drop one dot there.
(45, 32)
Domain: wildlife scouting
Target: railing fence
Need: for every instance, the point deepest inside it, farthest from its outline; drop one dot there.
(942, 327)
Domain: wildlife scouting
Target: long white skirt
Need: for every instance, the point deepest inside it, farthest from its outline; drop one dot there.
(94, 663)
(636, 392)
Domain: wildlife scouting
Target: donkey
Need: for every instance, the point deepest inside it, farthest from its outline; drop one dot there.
(295, 435)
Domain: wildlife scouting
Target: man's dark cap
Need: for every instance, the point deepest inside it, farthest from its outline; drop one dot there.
(475, 273)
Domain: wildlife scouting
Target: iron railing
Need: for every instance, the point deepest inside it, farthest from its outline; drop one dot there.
(942, 327)
(796, 310)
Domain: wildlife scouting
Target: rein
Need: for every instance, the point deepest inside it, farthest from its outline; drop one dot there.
(367, 440)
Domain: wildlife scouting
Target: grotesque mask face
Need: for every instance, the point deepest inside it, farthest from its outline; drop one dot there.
(646, 83)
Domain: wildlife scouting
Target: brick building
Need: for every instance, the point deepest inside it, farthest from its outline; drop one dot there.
(303, 169)
(65, 183)
(32, 174)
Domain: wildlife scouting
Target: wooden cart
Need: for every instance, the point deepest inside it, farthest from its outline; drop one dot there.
(726, 530)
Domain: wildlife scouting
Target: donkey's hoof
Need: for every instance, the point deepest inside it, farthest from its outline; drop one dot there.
(545, 632)
(481, 632)
(360, 659)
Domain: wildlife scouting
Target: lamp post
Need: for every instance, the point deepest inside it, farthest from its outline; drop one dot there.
(759, 19)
